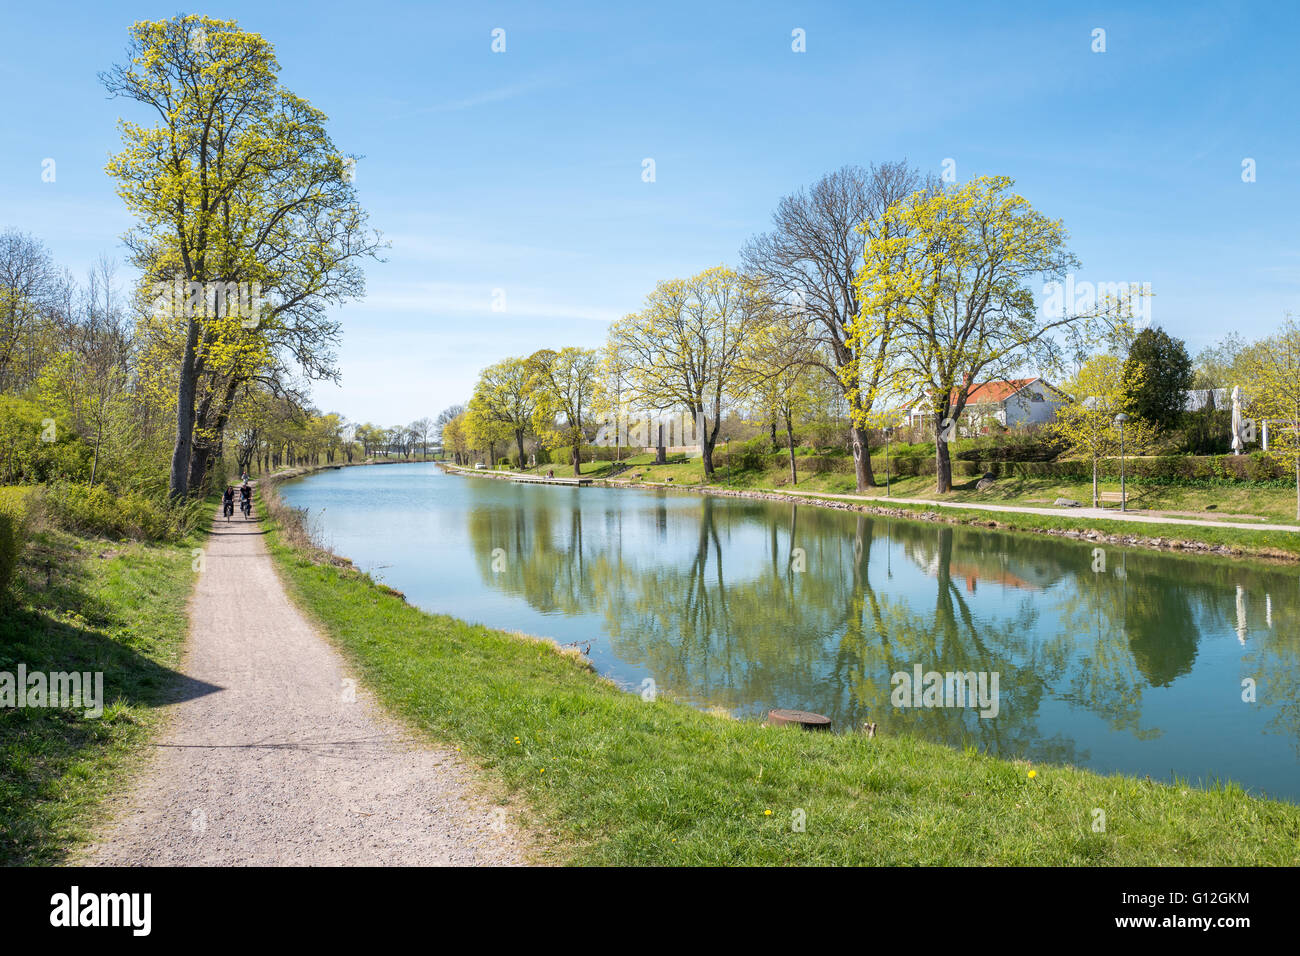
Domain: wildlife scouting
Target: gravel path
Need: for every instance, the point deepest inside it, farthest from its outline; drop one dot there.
(273, 756)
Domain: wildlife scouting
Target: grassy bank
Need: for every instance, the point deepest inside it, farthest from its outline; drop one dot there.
(835, 489)
(1224, 502)
(619, 780)
(1244, 541)
(84, 604)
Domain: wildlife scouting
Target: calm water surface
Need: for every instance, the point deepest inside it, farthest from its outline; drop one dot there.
(1135, 667)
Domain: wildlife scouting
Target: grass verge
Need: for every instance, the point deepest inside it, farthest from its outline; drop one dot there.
(836, 489)
(1245, 541)
(84, 604)
(618, 780)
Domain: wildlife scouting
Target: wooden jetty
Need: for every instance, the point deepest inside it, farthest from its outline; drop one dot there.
(577, 482)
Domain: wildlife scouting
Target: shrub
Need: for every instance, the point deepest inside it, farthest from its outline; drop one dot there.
(1026, 445)
(121, 514)
(34, 449)
(1206, 432)
(749, 455)
(1185, 470)
(905, 466)
(564, 454)
(13, 531)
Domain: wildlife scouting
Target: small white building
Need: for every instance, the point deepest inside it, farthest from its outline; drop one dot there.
(1007, 402)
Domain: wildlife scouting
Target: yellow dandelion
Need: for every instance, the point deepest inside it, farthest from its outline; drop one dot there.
(767, 813)
(1033, 774)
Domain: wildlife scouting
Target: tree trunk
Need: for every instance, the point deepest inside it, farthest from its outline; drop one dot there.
(1094, 481)
(99, 437)
(789, 435)
(200, 458)
(776, 446)
(178, 485)
(576, 454)
(862, 460)
(519, 440)
(708, 439)
(942, 463)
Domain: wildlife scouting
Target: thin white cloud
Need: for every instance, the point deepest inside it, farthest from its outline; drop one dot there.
(411, 246)
(464, 299)
(484, 98)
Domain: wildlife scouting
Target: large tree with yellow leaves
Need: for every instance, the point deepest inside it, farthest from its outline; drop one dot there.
(1272, 370)
(234, 184)
(950, 273)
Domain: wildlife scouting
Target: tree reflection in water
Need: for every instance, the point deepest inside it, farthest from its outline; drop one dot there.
(711, 601)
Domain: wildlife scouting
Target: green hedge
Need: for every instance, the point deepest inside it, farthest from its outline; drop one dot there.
(13, 531)
(564, 454)
(1253, 469)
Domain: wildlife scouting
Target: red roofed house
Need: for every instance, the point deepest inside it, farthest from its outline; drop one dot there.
(1011, 402)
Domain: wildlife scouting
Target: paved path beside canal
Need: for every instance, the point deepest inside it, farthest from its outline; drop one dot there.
(1110, 514)
(273, 755)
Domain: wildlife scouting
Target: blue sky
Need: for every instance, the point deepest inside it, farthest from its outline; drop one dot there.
(521, 171)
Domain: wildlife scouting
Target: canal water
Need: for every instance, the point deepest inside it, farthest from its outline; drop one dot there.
(1130, 661)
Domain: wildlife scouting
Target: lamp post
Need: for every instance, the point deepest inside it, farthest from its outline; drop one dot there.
(887, 433)
(1120, 419)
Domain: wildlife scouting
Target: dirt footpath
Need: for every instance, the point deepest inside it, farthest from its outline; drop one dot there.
(275, 756)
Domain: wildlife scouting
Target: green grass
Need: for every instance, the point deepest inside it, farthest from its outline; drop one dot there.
(84, 604)
(613, 779)
(1275, 544)
(590, 469)
(1223, 502)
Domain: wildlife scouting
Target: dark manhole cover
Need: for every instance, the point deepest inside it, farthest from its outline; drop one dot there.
(803, 718)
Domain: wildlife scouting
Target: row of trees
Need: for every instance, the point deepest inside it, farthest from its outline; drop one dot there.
(876, 284)
(72, 403)
(554, 396)
(875, 290)
(891, 292)
(83, 397)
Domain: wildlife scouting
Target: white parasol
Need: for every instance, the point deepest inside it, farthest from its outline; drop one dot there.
(1237, 443)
